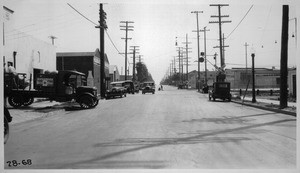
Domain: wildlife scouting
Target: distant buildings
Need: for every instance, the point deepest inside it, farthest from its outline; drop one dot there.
(241, 77)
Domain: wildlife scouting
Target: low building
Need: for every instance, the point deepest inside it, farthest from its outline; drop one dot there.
(240, 78)
(85, 62)
(27, 54)
(114, 73)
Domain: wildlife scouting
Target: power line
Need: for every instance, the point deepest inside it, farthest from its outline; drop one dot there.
(113, 43)
(240, 21)
(96, 25)
(82, 14)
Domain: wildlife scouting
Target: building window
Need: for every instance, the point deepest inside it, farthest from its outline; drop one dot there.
(39, 55)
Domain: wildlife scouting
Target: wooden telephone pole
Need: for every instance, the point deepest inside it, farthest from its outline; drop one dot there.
(284, 57)
(219, 16)
(126, 28)
(102, 26)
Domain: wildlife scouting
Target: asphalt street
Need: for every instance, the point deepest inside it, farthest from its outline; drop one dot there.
(167, 130)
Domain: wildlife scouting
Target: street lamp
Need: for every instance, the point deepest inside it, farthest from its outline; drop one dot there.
(253, 76)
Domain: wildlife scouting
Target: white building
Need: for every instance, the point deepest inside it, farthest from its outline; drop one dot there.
(28, 54)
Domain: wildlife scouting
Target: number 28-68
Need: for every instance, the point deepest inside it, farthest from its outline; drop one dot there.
(16, 163)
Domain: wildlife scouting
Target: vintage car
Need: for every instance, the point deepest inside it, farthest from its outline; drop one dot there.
(148, 87)
(205, 89)
(220, 90)
(136, 87)
(61, 86)
(116, 89)
(129, 86)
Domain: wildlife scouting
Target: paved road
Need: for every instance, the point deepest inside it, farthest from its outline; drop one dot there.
(168, 130)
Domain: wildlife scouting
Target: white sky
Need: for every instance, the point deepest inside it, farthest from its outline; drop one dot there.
(156, 24)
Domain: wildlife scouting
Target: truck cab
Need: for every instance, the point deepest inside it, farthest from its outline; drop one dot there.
(61, 86)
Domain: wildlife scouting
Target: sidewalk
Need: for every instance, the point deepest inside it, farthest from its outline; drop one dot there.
(268, 104)
(38, 109)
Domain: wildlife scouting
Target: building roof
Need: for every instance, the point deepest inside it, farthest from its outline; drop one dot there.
(112, 68)
(81, 54)
(72, 54)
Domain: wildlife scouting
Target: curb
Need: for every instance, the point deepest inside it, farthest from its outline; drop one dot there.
(266, 108)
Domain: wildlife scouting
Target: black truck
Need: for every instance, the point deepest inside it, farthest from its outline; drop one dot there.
(61, 86)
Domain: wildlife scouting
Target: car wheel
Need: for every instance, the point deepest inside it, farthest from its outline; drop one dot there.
(28, 101)
(86, 102)
(95, 103)
(214, 98)
(15, 101)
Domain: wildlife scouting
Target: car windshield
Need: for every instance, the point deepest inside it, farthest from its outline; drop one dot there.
(117, 84)
(77, 80)
(148, 84)
(223, 85)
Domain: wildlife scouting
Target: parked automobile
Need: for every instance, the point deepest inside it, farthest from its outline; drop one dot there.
(136, 87)
(205, 89)
(148, 87)
(129, 86)
(116, 89)
(61, 86)
(220, 90)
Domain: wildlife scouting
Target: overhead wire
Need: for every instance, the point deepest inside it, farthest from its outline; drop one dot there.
(240, 22)
(96, 25)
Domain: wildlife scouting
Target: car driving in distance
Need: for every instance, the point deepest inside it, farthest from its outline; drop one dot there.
(148, 87)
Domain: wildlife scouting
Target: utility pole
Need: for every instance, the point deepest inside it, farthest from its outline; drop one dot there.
(205, 62)
(140, 58)
(133, 69)
(246, 45)
(187, 56)
(253, 79)
(198, 45)
(179, 59)
(220, 31)
(174, 64)
(102, 26)
(126, 28)
(284, 57)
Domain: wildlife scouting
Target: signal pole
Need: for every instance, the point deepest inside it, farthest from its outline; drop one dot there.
(205, 62)
(220, 30)
(198, 45)
(102, 26)
(126, 29)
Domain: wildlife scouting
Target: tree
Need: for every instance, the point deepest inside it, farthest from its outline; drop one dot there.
(142, 72)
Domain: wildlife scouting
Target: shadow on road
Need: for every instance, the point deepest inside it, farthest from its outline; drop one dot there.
(157, 142)
(228, 120)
